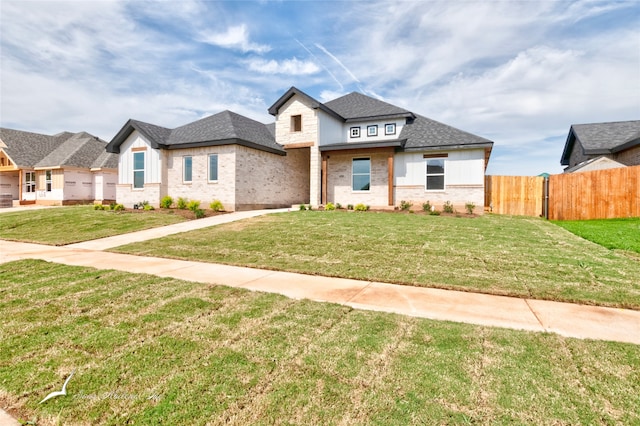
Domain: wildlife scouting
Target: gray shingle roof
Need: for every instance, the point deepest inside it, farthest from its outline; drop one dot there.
(223, 128)
(356, 106)
(424, 132)
(602, 138)
(28, 149)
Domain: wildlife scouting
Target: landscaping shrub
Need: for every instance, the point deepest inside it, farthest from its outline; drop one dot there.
(309, 207)
(405, 205)
(427, 207)
(148, 207)
(166, 202)
(98, 207)
(361, 207)
(199, 213)
(182, 203)
(193, 205)
(447, 207)
(338, 206)
(349, 206)
(216, 206)
(330, 206)
(469, 207)
(118, 208)
(302, 207)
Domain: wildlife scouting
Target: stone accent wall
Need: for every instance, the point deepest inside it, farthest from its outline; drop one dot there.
(284, 133)
(339, 189)
(629, 157)
(265, 180)
(127, 196)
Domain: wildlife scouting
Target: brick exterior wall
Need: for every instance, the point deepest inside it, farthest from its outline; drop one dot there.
(265, 180)
(339, 190)
(629, 157)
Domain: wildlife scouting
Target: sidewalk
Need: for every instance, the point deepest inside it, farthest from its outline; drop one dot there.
(570, 320)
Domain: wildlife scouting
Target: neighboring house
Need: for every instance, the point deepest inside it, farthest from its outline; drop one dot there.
(67, 168)
(618, 141)
(597, 163)
(354, 149)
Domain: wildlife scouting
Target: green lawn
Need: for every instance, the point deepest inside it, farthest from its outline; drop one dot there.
(67, 225)
(149, 350)
(506, 255)
(621, 234)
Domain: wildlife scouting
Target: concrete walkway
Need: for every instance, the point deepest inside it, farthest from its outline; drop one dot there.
(566, 319)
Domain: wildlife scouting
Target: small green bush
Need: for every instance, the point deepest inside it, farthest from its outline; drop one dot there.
(330, 206)
(427, 207)
(434, 213)
(182, 203)
(118, 208)
(338, 206)
(405, 205)
(361, 207)
(216, 206)
(309, 207)
(447, 207)
(199, 213)
(470, 207)
(303, 207)
(148, 207)
(193, 205)
(166, 202)
(112, 205)
(349, 206)
(98, 207)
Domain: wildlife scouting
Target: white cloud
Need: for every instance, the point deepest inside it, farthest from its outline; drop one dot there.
(235, 37)
(287, 66)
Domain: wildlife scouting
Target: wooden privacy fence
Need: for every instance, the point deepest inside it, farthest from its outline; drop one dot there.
(519, 195)
(600, 194)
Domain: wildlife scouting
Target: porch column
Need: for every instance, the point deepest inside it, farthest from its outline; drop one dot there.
(390, 177)
(324, 179)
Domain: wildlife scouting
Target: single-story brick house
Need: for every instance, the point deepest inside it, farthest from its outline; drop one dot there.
(66, 168)
(618, 143)
(354, 149)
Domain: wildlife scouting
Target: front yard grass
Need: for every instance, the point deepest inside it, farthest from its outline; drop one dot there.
(150, 350)
(504, 255)
(72, 224)
(620, 234)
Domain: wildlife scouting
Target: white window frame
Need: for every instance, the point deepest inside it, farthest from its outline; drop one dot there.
(360, 174)
(133, 166)
(30, 184)
(186, 158)
(217, 167)
(354, 132)
(48, 180)
(390, 129)
(443, 174)
(372, 130)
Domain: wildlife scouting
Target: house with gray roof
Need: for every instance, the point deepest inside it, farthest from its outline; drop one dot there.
(66, 168)
(353, 149)
(613, 144)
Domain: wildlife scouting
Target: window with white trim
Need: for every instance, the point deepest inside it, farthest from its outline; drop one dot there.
(361, 174)
(355, 132)
(213, 167)
(435, 174)
(48, 180)
(30, 182)
(372, 130)
(187, 168)
(138, 170)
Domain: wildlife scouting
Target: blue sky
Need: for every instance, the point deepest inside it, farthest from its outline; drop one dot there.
(516, 72)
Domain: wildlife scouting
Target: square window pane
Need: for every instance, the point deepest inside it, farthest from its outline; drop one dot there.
(361, 182)
(213, 167)
(435, 182)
